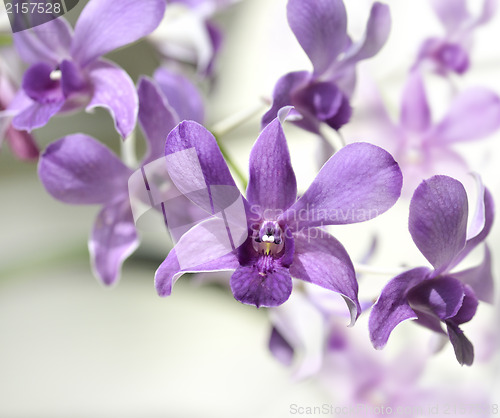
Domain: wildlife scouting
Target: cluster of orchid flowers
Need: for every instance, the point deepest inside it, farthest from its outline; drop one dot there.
(277, 235)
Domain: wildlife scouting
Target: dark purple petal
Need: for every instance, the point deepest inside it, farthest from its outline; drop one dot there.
(156, 118)
(72, 79)
(36, 115)
(452, 13)
(320, 259)
(216, 38)
(468, 308)
(38, 85)
(280, 348)
(415, 112)
(392, 306)
(438, 220)
(113, 239)
(376, 34)
(181, 95)
(201, 249)
(321, 99)
(360, 182)
(106, 25)
(283, 91)
(480, 278)
(49, 43)
(342, 116)
(115, 91)
(252, 286)
(464, 350)
(473, 115)
(320, 27)
(272, 183)
(442, 297)
(78, 169)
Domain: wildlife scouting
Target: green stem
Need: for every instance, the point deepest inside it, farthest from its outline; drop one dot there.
(241, 177)
(5, 40)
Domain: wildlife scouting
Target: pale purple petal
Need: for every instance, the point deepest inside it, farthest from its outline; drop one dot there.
(415, 112)
(473, 115)
(78, 169)
(156, 118)
(452, 13)
(36, 115)
(360, 182)
(438, 220)
(376, 34)
(22, 144)
(282, 94)
(115, 91)
(464, 350)
(272, 183)
(320, 27)
(106, 25)
(113, 239)
(72, 79)
(480, 278)
(280, 348)
(487, 12)
(320, 259)
(49, 43)
(181, 95)
(392, 306)
(253, 287)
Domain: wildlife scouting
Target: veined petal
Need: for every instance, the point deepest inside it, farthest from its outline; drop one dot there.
(272, 183)
(320, 259)
(438, 220)
(282, 94)
(156, 118)
(360, 182)
(113, 239)
(473, 115)
(321, 29)
(78, 169)
(49, 43)
(181, 95)
(106, 25)
(415, 112)
(392, 306)
(115, 91)
(204, 248)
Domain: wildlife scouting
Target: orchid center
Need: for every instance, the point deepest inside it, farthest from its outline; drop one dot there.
(268, 239)
(56, 75)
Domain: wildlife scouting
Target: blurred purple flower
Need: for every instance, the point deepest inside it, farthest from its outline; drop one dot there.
(77, 169)
(438, 226)
(423, 148)
(21, 143)
(67, 71)
(284, 237)
(450, 53)
(321, 29)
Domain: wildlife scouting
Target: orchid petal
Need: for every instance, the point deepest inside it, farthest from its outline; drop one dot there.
(452, 13)
(22, 144)
(78, 169)
(358, 183)
(320, 259)
(415, 112)
(464, 350)
(272, 183)
(392, 306)
(38, 85)
(106, 25)
(115, 91)
(36, 115)
(473, 115)
(438, 220)
(113, 239)
(321, 29)
(280, 348)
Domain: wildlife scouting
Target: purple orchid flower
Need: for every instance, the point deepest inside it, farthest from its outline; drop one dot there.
(323, 95)
(67, 71)
(423, 148)
(284, 236)
(77, 169)
(438, 226)
(450, 54)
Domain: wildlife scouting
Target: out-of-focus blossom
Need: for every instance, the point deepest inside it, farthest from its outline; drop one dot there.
(187, 33)
(321, 29)
(21, 143)
(78, 169)
(438, 226)
(450, 53)
(424, 148)
(66, 69)
(284, 237)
